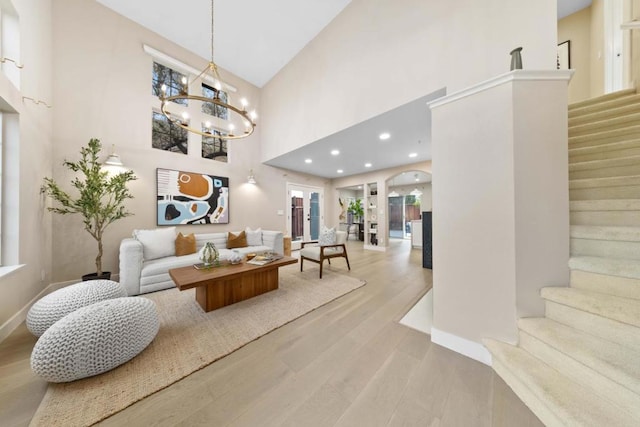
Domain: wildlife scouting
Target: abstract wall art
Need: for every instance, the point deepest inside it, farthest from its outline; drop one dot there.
(191, 198)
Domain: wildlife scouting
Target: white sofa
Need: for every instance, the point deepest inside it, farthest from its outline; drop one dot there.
(139, 275)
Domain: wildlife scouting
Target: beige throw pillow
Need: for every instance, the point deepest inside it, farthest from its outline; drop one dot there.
(185, 245)
(236, 241)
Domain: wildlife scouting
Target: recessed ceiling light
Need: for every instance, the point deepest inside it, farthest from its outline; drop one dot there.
(340, 171)
(367, 165)
(413, 155)
(308, 160)
(385, 135)
(335, 152)
(359, 187)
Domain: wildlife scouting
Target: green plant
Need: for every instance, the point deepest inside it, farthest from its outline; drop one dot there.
(100, 199)
(355, 208)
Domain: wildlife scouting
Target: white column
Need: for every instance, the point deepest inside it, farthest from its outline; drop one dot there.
(500, 205)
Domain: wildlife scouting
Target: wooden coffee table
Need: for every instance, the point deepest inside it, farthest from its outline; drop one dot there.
(228, 284)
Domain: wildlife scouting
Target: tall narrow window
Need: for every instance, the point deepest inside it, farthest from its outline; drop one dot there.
(210, 107)
(214, 147)
(10, 185)
(167, 136)
(1, 182)
(174, 83)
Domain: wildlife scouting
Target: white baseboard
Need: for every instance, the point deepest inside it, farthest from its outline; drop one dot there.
(472, 349)
(10, 325)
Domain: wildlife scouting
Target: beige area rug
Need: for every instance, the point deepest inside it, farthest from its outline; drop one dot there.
(189, 339)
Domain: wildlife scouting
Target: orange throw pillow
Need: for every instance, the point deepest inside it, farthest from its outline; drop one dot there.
(185, 245)
(239, 241)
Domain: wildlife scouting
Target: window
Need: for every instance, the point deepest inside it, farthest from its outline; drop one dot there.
(210, 107)
(173, 77)
(167, 136)
(214, 147)
(175, 82)
(10, 180)
(1, 180)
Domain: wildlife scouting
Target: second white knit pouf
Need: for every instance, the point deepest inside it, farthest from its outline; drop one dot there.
(53, 307)
(95, 339)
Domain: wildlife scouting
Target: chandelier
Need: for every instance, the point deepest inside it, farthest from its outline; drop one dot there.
(211, 70)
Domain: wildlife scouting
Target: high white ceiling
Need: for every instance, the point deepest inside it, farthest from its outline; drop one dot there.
(254, 39)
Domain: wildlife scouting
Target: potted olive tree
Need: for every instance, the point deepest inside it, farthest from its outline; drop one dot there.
(100, 197)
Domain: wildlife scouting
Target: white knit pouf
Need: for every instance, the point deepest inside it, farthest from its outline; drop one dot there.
(95, 339)
(53, 307)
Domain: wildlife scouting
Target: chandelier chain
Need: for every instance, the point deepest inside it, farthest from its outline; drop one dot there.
(212, 30)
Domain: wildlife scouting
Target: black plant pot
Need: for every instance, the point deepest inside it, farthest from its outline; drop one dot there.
(106, 275)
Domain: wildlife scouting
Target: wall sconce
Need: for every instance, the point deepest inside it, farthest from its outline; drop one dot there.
(251, 179)
(5, 59)
(36, 101)
(113, 164)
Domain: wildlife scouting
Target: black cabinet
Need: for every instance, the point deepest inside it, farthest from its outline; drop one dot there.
(427, 250)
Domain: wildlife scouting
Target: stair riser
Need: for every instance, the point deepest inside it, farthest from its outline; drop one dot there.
(607, 171)
(603, 102)
(615, 218)
(539, 408)
(603, 139)
(605, 248)
(597, 193)
(589, 378)
(628, 268)
(605, 114)
(606, 284)
(603, 126)
(605, 154)
(622, 310)
(607, 329)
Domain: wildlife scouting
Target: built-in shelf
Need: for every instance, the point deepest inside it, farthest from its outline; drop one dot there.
(371, 228)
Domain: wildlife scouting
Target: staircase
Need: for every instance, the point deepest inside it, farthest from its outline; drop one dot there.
(580, 364)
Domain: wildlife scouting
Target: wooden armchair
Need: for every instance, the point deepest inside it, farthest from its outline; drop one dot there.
(319, 253)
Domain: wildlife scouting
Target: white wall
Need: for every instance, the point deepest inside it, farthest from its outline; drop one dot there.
(34, 153)
(102, 78)
(501, 204)
(378, 55)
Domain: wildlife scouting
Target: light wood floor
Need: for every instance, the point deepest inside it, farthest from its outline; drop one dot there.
(349, 363)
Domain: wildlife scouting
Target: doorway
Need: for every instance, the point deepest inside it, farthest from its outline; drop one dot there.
(408, 194)
(396, 217)
(304, 214)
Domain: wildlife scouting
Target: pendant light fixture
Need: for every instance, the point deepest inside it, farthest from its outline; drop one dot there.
(415, 191)
(241, 113)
